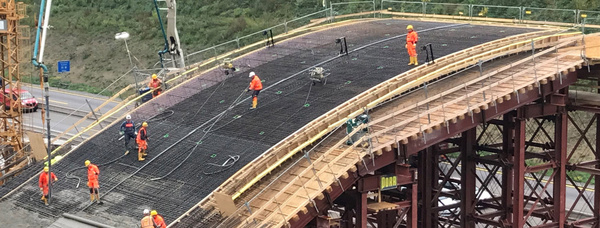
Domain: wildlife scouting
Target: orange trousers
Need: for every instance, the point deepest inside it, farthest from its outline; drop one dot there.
(412, 50)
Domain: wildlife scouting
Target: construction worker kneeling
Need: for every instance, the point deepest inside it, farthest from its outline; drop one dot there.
(141, 140)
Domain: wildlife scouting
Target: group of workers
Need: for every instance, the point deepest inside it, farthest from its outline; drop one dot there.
(152, 219)
(128, 130)
(141, 137)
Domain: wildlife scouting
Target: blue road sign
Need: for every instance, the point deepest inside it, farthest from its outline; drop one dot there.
(64, 66)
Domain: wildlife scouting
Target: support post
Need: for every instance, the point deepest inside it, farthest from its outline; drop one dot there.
(468, 173)
(508, 129)
(413, 218)
(361, 209)
(428, 178)
(519, 173)
(560, 178)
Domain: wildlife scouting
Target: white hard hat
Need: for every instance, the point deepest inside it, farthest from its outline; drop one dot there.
(128, 117)
(251, 74)
(146, 211)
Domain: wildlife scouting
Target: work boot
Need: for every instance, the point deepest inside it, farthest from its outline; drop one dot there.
(411, 61)
(43, 198)
(141, 156)
(126, 152)
(91, 197)
(415, 61)
(46, 201)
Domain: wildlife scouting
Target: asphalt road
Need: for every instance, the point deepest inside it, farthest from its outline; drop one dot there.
(74, 100)
(66, 108)
(580, 207)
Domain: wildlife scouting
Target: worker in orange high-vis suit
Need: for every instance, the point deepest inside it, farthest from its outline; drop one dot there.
(93, 173)
(155, 85)
(44, 183)
(141, 140)
(159, 221)
(411, 45)
(147, 221)
(256, 86)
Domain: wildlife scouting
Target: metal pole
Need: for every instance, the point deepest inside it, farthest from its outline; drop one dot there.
(128, 53)
(48, 132)
(95, 116)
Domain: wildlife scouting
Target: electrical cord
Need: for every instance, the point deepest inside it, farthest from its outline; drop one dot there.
(201, 138)
(271, 86)
(225, 166)
(68, 175)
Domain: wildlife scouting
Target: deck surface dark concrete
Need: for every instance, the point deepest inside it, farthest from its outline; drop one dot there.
(239, 132)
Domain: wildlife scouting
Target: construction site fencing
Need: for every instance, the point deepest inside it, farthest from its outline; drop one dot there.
(490, 11)
(250, 42)
(403, 6)
(518, 14)
(352, 7)
(550, 15)
(473, 89)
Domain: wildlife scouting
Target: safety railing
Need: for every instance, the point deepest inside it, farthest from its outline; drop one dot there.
(346, 8)
(217, 52)
(515, 14)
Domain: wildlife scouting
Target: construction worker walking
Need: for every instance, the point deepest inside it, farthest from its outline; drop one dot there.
(156, 85)
(256, 86)
(159, 221)
(93, 173)
(411, 45)
(141, 140)
(44, 183)
(128, 131)
(147, 221)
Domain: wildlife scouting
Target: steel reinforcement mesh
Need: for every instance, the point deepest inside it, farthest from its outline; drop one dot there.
(225, 127)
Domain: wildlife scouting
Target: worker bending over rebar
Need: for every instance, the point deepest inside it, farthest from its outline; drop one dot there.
(411, 45)
(44, 183)
(256, 86)
(128, 130)
(142, 141)
(93, 184)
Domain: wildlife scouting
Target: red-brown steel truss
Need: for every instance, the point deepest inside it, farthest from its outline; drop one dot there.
(529, 162)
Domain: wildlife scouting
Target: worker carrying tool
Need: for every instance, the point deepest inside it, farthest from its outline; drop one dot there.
(147, 220)
(156, 85)
(411, 45)
(93, 173)
(256, 86)
(141, 140)
(159, 221)
(44, 183)
(128, 130)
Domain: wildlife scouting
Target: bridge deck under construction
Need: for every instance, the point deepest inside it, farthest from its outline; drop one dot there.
(197, 128)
